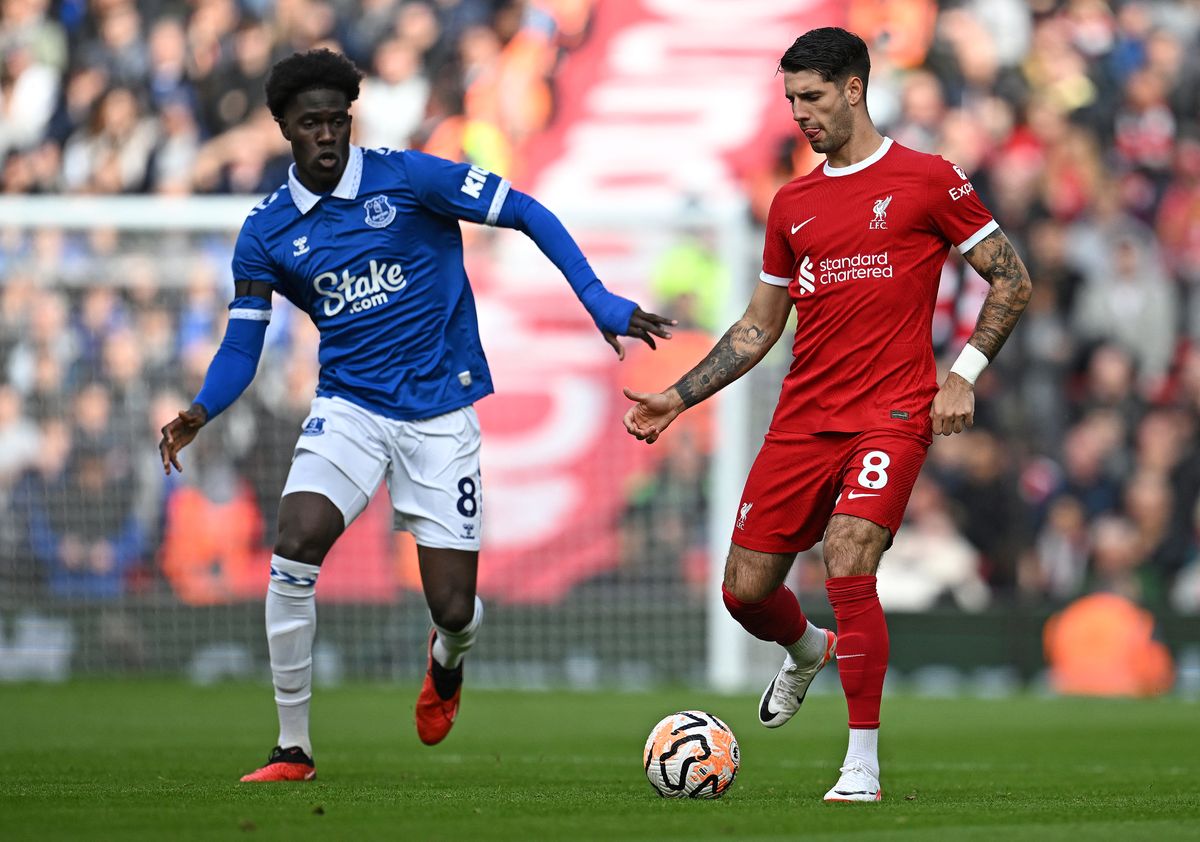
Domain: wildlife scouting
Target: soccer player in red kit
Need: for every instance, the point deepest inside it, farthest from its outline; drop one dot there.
(856, 247)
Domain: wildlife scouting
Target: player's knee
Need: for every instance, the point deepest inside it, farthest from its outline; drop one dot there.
(453, 612)
(301, 546)
(850, 557)
(853, 546)
(743, 586)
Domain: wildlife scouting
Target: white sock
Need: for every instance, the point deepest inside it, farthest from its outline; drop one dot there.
(450, 646)
(810, 647)
(291, 624)
(864, 749)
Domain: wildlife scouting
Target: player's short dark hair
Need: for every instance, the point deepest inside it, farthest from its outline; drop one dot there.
(831, 52)
(301, 72)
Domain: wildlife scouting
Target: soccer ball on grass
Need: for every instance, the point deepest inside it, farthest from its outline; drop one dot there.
(691, 754)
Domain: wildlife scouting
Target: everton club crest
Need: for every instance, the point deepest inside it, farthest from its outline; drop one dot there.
(380, 213)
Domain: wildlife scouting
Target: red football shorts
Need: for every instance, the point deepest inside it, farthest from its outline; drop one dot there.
(799, 481)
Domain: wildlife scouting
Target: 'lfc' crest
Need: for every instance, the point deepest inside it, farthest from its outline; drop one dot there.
(380, 213)
(880, 209)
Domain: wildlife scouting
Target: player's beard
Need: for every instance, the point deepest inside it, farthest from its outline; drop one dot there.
(837, 132)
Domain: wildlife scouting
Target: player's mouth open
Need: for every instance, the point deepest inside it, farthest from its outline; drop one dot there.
(328, 159)
(812, 134)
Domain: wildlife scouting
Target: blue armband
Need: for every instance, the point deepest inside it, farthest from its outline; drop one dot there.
(236, 361)
(522, 212)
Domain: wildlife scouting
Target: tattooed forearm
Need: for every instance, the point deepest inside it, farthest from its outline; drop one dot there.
(738, 351)
(995, 259)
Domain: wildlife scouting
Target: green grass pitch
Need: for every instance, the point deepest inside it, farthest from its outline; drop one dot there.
(157, 760)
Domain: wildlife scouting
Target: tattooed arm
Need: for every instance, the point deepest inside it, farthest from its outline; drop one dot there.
(738, 351)
(993, 258)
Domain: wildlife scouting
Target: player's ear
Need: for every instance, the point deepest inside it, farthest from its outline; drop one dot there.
(283, 129)
(854, 90)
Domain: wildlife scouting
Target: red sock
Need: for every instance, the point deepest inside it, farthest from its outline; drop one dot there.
(862, 648)
(777, 618)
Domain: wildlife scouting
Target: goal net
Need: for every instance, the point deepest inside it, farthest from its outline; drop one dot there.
(601, 555)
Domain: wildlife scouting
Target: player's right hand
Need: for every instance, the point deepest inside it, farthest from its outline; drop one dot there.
(178, 434)
(651, 414)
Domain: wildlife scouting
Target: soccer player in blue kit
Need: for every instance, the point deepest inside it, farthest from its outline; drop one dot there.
(367, 243)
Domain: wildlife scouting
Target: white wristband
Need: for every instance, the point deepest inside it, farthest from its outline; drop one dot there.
(970, 363)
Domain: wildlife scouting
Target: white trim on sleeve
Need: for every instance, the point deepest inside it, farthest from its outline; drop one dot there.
(498, 201)
(774, 280)
(974, 240)
(250, 314)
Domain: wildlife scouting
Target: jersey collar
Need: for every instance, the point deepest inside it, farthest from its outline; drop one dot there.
(347, 186)
(863, 164)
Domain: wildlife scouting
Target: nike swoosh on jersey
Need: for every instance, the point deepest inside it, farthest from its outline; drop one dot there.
(854, 495)
(796, 228)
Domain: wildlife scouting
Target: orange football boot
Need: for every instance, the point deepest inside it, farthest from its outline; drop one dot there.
(285, 764)
(435, 714)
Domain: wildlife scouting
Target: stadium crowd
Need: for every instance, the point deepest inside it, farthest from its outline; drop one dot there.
(1077, 121)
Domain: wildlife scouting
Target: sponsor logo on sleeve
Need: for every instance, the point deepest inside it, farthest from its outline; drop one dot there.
(743, 514)
(473, 184)
(966, 189)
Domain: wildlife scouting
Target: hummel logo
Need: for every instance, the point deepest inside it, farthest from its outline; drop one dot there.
(796, 228)
(301, 244)
(854, 495)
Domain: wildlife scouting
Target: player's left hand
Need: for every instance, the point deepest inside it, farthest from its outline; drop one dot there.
(954, 406)
(644, 326)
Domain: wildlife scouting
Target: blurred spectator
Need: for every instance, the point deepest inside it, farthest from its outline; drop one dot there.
(930, 560)
(663, 532)
(206, 566)
(1102, 645)
(1118, 565)
(111, 152)
(80, 521)
(46, 341)
(1131, 301)
(1061, 552)
(120, 51)
(28, 94)
(690, 277)
(993, 517)
(237, 84)
(392, 104)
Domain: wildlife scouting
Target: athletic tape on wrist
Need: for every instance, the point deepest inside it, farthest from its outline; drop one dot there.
(970, 363)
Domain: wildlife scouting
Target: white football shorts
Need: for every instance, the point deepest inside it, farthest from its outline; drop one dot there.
(431, 467)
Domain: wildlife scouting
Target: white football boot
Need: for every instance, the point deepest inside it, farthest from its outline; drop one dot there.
(785, 693)
(857, 783)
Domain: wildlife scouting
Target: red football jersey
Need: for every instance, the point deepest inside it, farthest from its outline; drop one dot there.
(860, 249)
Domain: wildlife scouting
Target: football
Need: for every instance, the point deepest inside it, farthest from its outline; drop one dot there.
(691, 754)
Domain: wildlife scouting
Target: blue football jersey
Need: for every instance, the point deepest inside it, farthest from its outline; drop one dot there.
(378, 266)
